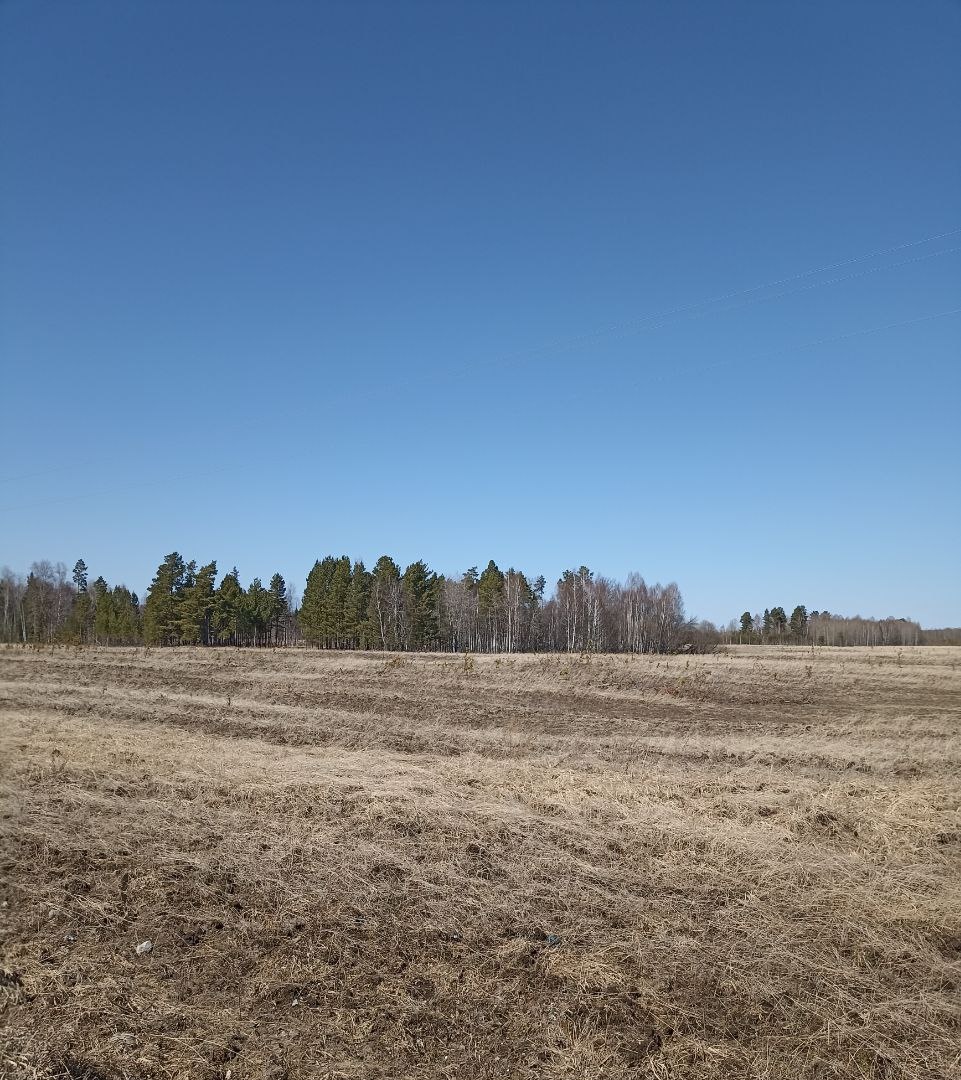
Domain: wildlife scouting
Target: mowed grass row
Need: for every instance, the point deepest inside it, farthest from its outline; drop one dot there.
(358, 865)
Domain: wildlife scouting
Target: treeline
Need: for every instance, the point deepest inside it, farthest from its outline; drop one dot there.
(948, 635)
(347, 606)
(775, 627)
(182, 607)
(185, 607)
(49, 607)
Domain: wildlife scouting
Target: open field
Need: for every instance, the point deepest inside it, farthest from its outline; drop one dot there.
(358, 865)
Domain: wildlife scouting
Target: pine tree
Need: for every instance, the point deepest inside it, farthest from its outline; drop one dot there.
(747, 624)
(310, 605)
(258, 610)
(227, 618)
(80, 576)
(78, 626)
(278, 607)
(161, 609)
(334, 619)
(322, 609)
(125, 614)
(799, 623)
(360, 632)
(196, 608)
(419, 591)
(490, 595)
(102, 612)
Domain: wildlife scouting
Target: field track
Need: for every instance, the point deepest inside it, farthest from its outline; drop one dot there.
(386, 866)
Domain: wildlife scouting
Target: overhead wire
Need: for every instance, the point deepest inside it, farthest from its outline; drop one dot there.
(680, 309)
(693, 309)
(764, 299)
(799, 346)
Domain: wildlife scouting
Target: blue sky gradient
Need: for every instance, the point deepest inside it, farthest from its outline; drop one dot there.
(284, 279)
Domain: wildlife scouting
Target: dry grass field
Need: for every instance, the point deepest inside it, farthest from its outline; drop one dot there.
(358, 865)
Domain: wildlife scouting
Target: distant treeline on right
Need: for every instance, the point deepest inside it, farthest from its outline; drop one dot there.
(775, 627)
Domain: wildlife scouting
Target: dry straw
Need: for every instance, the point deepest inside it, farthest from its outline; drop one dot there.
(739, 865)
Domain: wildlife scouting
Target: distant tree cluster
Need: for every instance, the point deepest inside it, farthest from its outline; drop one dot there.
(948, 635)
(184, 607)
(347, 606)
(774, 627)
(51, 607)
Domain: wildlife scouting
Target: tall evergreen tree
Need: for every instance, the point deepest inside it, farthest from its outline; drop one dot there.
(322, 616)
(79, 623)
(161, 608)
(419, 591)
(311, 604)
(334, 619)
(102, 612)
(278, 608)
(80, 576)
(197, 602)
(490, 598)
(227, 619)
(360, 632)
(259, 610)
(125, 612)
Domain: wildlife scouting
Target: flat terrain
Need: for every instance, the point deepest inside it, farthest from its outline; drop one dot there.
(359, 865)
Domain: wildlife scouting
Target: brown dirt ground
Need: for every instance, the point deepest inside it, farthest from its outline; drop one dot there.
(369, 866)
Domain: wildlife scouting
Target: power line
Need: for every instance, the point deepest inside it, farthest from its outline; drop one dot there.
(846, 277)
(682, 309)
(132, 488)
(833, 339)
(656, 378)
(67, 466)
(657, 320)
(774, 296)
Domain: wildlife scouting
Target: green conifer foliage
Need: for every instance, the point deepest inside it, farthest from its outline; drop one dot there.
(278, 609)
(102, 612)
(79, 625)
(311, 616)
(360, 632)
(335, 614)
(125, 613)
(162, 606)
(227, 618)
(80, 576)
(419, 592)
(258, 611)
(196, 607)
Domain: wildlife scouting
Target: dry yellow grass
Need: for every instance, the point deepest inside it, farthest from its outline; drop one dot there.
(740, 865)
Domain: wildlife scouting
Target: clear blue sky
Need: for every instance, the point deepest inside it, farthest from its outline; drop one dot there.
(284, 279)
